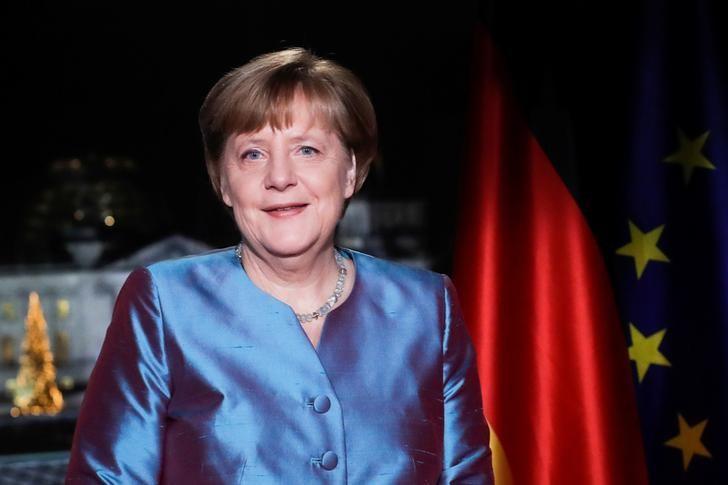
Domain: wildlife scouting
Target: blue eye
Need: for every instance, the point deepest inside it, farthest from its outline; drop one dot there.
(308, 151)
(252, 155)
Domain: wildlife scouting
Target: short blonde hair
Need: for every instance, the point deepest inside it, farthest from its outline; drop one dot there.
(261, 93)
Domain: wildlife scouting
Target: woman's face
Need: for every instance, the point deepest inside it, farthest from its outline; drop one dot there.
(287, 187)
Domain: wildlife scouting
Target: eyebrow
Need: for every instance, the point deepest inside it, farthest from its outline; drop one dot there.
(251, 140)
(305, 136)
(297, 138)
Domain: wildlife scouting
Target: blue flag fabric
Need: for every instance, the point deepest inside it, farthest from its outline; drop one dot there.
(669, 254)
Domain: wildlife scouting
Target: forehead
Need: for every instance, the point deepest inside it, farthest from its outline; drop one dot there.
(297, 117)
(301, 126)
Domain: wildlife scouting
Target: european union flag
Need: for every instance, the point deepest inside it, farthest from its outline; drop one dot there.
(670, 257)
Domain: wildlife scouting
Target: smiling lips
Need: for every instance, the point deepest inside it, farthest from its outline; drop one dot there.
(285, 210)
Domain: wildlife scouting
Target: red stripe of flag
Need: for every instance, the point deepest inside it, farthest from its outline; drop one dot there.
(552, 358)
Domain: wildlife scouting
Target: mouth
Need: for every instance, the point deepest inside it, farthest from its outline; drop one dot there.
(285, 209)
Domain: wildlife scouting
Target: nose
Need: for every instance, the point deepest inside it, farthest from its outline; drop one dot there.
(281, 173)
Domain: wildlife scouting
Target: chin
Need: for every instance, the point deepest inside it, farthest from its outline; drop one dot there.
(290, 245)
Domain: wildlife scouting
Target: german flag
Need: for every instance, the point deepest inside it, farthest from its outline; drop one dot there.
(552, 357)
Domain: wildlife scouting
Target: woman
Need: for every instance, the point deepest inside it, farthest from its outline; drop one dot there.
(286, 359)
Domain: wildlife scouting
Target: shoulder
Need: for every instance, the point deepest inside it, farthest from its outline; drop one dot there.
(384, 272)
(210, 266)
(199, 270)
(214, 259)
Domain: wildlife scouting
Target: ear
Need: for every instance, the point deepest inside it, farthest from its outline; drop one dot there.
(225, 190)
(350, 186)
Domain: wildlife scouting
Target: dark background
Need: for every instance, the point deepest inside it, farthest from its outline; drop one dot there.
(80, 79)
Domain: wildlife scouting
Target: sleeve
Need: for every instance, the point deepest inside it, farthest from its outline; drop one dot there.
(120, 429)
(467, 455)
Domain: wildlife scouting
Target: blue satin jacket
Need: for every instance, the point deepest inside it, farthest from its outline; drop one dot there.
(205, 378)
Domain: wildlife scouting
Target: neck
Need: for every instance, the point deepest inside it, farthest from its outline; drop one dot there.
(303, 281)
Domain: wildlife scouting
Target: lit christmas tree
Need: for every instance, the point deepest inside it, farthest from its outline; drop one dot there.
(35, 391)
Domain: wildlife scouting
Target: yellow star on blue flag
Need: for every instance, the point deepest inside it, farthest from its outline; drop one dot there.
(690, 154)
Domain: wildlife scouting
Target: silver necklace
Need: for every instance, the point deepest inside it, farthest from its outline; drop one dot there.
(330, 302)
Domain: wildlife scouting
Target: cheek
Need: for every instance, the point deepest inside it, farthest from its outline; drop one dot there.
(234, 190)
(337, 188)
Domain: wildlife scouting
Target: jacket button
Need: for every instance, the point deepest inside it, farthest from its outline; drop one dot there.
(321, 404)
(329, 460)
